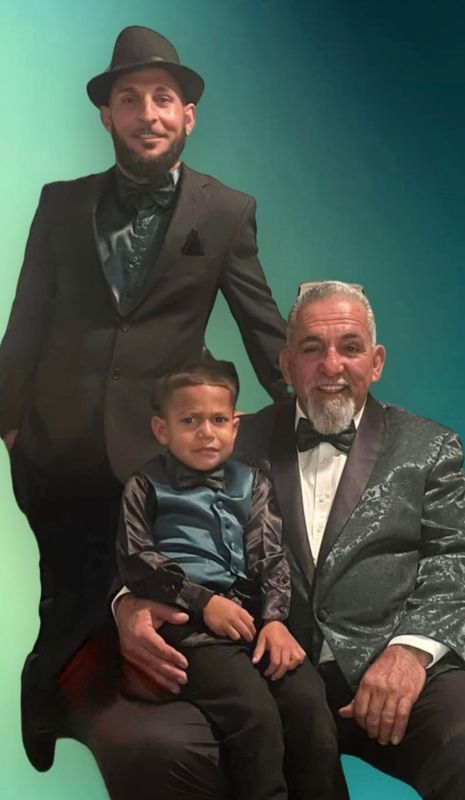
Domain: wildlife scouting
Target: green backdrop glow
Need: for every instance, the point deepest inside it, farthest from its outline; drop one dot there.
(346, 122)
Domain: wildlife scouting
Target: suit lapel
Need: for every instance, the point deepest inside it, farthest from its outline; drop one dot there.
(286, 482)
(357, 472)
(189, 205)
(89, 235)
(88, 192)
(91, 193)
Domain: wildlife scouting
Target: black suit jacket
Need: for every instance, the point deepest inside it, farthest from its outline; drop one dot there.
(76, 377)
(392, 560)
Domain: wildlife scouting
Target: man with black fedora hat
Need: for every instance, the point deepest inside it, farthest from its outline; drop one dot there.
(137, 47)
(119, 278)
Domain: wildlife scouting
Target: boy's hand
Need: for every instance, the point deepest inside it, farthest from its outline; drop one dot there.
(284, 651)
(226, 618)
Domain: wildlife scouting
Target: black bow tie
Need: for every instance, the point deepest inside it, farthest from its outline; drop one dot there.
(308, 437)
(184, 477)
(138, 196)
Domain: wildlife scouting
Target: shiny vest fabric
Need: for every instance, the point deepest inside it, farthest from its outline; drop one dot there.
(203, 530)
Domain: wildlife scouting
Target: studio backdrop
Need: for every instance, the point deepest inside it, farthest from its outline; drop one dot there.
(346, 121)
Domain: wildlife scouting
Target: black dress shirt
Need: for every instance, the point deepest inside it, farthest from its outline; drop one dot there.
(130, 238)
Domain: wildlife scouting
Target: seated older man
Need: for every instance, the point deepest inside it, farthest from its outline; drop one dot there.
(373, 503)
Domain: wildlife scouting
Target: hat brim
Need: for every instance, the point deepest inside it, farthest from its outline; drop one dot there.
(192, 85)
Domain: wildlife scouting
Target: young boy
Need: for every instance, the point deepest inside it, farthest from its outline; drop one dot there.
(199, 530)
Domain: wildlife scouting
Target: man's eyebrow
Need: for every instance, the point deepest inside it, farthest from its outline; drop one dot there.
(352, 335)
(310, 337)
(313, 337)
(160, 87)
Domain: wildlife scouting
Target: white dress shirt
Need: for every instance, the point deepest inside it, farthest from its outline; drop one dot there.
(320, 471)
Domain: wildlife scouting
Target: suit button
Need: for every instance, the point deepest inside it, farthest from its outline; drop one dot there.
(124, 328)
(323, 615)
(116, 374)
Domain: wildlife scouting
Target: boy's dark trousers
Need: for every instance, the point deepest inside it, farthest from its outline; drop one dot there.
(278, 738)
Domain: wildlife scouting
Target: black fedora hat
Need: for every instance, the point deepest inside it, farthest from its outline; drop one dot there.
(137, 47)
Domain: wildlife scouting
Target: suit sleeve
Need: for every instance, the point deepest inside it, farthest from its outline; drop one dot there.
(244, 286)
(436, 607)
(266, 561)
(23, 339)
(142, 569)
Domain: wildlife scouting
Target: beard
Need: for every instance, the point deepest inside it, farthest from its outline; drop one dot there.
(146, 169)
(330, 415)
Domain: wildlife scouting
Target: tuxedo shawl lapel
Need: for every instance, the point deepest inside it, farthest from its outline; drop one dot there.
(357, 471)
(286, 482)
(189, 204)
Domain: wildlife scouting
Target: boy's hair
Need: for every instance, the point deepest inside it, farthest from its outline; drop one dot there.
(203, 373)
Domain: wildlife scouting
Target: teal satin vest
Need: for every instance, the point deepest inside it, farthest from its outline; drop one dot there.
(203, 530)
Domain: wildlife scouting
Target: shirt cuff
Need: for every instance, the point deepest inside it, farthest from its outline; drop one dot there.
(116, 598)
(435, 649)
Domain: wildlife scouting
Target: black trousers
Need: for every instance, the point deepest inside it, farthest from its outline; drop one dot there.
(268, 729)
(431, 755)
(170, 751)
(139, 746)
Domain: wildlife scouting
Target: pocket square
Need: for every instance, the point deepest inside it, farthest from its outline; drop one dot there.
(192, 246)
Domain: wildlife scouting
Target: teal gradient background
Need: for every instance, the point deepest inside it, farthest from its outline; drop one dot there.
(346, 121)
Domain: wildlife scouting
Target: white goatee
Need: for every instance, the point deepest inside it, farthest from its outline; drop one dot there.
(333, 415)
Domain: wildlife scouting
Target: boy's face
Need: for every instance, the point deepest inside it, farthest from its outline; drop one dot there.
(198, 426)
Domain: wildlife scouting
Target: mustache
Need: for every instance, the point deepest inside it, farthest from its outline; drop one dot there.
(149, 130)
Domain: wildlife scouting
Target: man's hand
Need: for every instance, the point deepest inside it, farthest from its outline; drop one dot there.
(9, 439)
(227, 618)
(137, 620)
(284, 651)
(387, 692)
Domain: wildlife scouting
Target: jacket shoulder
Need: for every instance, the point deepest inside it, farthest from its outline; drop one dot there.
(75, 186)
(220, 189)
(399, 418)
(414, 437)
(255, 432)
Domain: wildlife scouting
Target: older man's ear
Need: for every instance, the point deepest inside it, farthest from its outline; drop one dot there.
(284, 365)
(379, 357)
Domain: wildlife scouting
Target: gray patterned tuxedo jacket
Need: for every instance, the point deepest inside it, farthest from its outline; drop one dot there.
(392, 560)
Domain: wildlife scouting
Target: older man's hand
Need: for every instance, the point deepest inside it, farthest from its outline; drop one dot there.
(138, 620)
(387, 692)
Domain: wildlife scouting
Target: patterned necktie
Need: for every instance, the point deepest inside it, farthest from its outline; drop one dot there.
(308, 437)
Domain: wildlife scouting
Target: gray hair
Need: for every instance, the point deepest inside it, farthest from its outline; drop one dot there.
(324, 289)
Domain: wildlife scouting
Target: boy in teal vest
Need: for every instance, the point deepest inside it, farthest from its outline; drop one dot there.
(200, 531)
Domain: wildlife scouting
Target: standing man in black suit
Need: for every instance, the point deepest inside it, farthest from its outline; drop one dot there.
(119, 278)
(373, 506)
